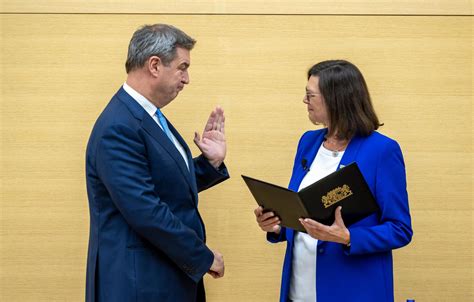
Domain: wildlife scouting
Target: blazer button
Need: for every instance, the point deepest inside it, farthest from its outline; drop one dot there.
(321, 250)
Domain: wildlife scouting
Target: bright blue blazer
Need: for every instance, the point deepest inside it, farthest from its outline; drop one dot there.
(147, 238)
(363, 272)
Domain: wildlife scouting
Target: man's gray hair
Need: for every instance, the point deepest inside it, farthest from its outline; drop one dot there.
(156, 40)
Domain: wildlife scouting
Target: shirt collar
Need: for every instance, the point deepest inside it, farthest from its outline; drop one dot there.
(143, 101)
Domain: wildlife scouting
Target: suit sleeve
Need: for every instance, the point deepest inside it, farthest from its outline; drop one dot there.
(123, 167)
(394, 229)
(206, 175)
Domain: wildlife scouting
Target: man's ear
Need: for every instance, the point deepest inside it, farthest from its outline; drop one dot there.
(154, 65)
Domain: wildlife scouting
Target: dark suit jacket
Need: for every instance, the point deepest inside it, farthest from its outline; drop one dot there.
(364, 271)
(147, 238)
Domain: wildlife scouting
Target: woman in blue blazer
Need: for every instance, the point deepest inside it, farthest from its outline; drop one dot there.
(339, 263)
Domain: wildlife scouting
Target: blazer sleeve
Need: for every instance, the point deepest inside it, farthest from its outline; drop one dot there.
(122, 165)
(274, 238)
(206, 175)
(394, 229)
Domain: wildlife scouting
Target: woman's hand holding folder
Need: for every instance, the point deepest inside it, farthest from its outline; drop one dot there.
(267, 221)
(337, 232)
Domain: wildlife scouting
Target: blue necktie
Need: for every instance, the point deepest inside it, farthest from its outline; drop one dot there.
(164, 124)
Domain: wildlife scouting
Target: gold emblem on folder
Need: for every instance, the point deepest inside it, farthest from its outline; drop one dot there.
(336, 195)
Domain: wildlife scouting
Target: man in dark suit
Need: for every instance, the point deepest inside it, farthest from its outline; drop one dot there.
(147, 238)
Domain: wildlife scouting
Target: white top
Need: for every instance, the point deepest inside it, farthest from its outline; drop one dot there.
(150, 108)
(303, 276)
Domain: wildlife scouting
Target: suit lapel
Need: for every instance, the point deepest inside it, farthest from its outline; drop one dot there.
(150, 126)
(191, 171)
(157, 133)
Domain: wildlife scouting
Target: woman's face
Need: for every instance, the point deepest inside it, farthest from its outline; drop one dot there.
(313, 99)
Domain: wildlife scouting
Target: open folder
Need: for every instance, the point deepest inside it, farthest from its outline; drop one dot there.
(346, 187)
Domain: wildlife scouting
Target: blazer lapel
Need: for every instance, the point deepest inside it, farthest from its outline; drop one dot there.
(351, 151)
(308, 154)
(349, 156)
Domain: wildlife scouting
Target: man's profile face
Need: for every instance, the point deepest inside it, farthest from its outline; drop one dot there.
(174, 76)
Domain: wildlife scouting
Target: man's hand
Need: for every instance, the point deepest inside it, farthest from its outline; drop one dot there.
(268, 222)
(217, 268)
(337, 232)
(213, 145)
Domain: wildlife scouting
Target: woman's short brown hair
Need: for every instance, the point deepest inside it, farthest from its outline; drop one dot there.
(346, 97)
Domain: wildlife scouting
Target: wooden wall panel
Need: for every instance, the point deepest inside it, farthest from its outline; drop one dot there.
(59, 71)
(298, 7)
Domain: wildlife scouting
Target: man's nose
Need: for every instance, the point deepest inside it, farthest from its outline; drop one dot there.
(185, 78)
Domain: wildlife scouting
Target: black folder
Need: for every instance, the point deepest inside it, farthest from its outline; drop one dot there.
(346, 187)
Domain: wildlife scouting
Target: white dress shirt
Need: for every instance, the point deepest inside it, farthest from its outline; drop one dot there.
(303, 276)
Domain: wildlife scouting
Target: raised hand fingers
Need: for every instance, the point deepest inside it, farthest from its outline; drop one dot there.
(220, 119)
(197, 141)
(210, 121)
(197, 137)
(223, 124)
(215, 123)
